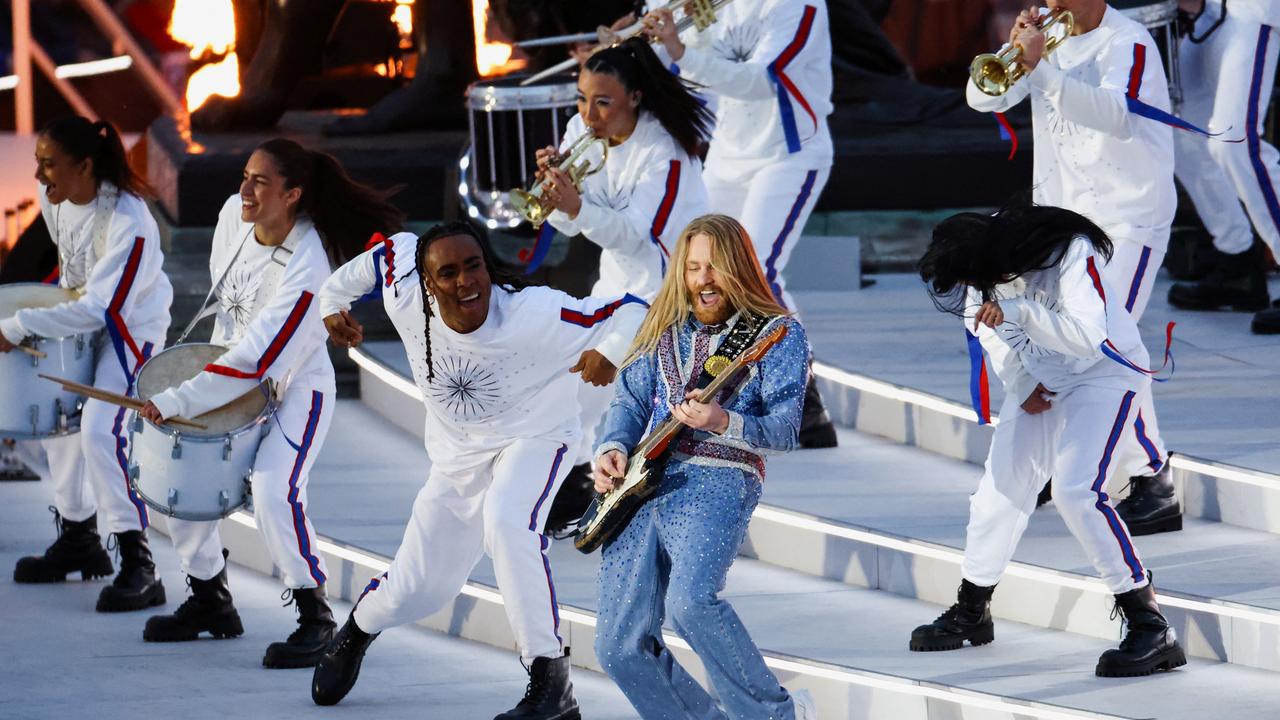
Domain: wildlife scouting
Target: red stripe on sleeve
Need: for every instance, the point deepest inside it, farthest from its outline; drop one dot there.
(1139, 67)
(273, 350)
(1097, 279)
(664, 208)
(122, 293)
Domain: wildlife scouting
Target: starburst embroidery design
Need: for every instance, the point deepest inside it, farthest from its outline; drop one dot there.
(738, 43)
(237, 296)
(464, 387)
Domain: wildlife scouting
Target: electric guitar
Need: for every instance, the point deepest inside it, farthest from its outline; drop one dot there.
(609, 513)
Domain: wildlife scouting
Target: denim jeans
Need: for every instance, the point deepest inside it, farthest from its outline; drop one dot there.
(675, 553)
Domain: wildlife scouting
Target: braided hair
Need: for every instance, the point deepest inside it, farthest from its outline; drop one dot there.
(82, 138)
(498, 276)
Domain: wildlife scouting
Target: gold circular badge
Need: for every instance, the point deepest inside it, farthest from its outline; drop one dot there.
(716, 365)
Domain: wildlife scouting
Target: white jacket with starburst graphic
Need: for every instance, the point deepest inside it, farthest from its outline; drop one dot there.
(1063, 327)
(279, 337)
(507, 380)
(1092, 154)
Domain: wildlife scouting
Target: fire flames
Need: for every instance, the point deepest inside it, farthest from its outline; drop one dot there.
(208, 27)
(493, 57)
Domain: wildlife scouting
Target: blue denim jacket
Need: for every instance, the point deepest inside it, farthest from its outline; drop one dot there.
(764, 411)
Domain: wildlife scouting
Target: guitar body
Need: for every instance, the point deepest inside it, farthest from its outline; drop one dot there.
(609, 514)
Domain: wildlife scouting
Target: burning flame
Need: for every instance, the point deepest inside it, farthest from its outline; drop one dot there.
(493, 57)
(208, 27)
(402, 16)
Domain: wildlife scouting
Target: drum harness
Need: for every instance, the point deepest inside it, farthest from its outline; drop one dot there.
(108, 197)
(272, 273)
(1190, 22)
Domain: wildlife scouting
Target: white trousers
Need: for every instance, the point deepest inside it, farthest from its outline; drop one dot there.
(1074, 442)
(499, 506)
(773, 204)
(89, 469)
(1227, 82)
(1132, 273)
(281, 471)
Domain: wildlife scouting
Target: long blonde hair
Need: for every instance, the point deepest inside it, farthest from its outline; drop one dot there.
(741, 279)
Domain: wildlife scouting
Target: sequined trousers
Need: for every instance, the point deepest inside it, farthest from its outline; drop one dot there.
(675, 555)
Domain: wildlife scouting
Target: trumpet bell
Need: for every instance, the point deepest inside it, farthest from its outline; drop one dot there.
(529, 206)
(991, 74)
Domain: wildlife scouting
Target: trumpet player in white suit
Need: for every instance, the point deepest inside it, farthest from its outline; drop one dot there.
(1228, 65)
(1096, 155)
(649, 188)
(109, 252)
(296, 210)
(768, 65)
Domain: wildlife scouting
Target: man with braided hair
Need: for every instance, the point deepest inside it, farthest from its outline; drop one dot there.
(493, 362)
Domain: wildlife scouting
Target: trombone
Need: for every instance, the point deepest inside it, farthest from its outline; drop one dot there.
(698, 13)
(995, 73)
(530, 203)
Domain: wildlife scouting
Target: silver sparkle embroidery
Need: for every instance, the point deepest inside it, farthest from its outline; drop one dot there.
(463, 386)
(237, 295)
(739, 42)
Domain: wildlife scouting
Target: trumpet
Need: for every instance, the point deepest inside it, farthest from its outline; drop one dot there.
(699, 13)
(995, 73)
(575, 163)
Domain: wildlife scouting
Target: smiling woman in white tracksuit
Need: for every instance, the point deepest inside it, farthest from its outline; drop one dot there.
(109, 253)
(271, 253)
(1097, 157)
(1228, 67)
(649, 188)
(1029, 282)
(492, 362)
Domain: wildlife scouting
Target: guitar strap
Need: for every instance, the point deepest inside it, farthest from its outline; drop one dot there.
(744, 332)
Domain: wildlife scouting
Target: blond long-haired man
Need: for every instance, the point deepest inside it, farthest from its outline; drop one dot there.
(677, 549)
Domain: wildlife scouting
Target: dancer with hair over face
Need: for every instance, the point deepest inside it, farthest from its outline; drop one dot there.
(108, 252)
(493, 361)
(296, 211)
(1028, 282)
(675, 552)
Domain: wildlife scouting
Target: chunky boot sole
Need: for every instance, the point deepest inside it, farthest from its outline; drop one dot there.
(818, 436)
(981, 636)
(287, 659)
(227, 626)
(151, 597)
(1173, 523)
(33, 573)
(1172, 658)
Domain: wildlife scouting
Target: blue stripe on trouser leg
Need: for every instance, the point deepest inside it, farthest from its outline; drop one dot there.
(1118, 529)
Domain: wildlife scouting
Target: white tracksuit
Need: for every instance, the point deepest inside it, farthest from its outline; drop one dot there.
(126, 292)
(1095, 157)
(768, 63)
(1227, 81)
(284, 340)
(1056, 325)
(502, 415)
(634, 209)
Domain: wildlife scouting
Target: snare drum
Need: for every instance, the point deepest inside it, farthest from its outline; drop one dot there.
(509, 123)
(33, 407)
(196, 474)
(1160, 17)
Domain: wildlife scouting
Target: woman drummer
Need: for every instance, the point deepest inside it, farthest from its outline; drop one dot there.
(109, 254)
(650, 186)
(296, 211)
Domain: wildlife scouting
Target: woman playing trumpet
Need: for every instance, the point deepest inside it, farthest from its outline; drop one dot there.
(649, 188)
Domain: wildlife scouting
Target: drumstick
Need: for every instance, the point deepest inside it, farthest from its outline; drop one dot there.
(123, 401)
(32, 351)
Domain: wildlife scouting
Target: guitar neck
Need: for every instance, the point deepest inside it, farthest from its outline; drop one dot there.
(667, 429)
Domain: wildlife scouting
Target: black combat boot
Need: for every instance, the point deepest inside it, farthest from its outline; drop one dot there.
(77, 549)
(549, 694)
(968, 619)
(816, 430)
(339, 666)
(315, 630)
(571, 502)
(1237, 281)
(136, 587)
(1149, 645)
(1152, 506)
(209, 609)
(1267, 322)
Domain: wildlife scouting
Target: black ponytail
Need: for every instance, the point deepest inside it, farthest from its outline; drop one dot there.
(497, 275)
(979, 251)
(669, 98)
(100, 142)
(346, 213)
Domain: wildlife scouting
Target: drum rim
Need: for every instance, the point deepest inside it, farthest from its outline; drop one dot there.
(268, 410)
(72, 336)
(198, 517)
(483, 96)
